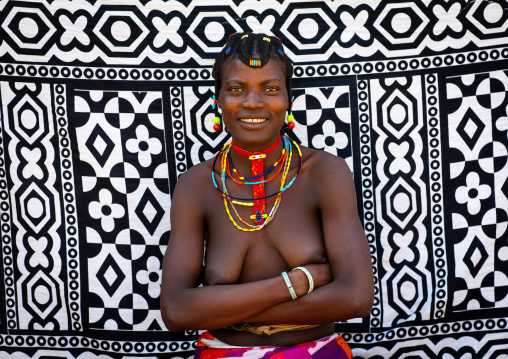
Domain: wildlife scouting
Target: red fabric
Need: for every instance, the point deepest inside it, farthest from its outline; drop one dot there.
(333, 347)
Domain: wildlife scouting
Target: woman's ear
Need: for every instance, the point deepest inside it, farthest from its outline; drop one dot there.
(218, 98)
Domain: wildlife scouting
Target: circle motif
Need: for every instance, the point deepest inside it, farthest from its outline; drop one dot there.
(147, 74)
(170, 74)
(214, 31)
(310, 71)
(308, 28)
(135, 74)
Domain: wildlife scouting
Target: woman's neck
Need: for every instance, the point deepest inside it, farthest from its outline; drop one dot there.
(269, 154)
(265, 151)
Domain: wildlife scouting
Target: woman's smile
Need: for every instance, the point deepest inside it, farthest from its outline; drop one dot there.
(254, 123)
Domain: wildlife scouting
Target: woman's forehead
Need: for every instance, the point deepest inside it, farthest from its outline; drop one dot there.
(236, 70)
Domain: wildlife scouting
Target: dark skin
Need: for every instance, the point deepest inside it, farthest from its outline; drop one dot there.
(316, 226)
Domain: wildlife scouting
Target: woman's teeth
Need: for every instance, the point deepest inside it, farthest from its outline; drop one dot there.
(252, 120)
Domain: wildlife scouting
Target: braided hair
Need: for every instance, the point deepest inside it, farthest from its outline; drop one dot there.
(254, 50)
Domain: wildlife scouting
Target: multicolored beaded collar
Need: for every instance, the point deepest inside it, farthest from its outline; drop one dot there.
(257, 200)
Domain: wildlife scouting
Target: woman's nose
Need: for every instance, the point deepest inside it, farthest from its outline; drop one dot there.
(253, 99)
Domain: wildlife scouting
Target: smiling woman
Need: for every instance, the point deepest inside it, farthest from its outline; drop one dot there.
(253, 106)
(286, 255)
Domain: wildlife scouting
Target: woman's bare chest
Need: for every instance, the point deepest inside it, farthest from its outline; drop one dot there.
(293, 238)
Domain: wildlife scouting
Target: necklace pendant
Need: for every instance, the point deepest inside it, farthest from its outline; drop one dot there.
(259, 217)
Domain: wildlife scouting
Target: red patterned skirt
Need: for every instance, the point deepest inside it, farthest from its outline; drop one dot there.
(332, 347)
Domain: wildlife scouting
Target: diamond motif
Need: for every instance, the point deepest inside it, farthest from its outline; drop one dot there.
(470, 128)
(110, 275)
(149, 211)
(259, 217)
(100, 145)
(475, 256)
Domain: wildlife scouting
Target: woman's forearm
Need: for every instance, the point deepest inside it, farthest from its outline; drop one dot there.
(218, 306)
(330, 303)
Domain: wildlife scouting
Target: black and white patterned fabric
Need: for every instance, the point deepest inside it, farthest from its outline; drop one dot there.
(103, 104)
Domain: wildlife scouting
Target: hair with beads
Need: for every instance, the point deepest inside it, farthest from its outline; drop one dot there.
(254, 50)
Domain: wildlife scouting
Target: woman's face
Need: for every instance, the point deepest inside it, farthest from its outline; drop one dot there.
(253, 102)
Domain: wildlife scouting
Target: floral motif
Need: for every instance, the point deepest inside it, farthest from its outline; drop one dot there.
(106, 210)
(144, 146)
(472, 193)
(331, 141)
(355, 26)
(151, 276)
(447, 18)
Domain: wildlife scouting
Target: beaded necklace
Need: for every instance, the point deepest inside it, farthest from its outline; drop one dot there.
(267, 217)
(269, 198)
(265, 199)
(258, 188)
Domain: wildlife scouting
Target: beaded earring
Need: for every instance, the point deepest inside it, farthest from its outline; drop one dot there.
(290, 117)
(216, 119)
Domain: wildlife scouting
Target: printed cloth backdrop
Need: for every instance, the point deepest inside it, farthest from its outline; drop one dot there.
(103, 104)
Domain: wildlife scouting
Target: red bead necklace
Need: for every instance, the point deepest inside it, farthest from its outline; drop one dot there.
(258, 210)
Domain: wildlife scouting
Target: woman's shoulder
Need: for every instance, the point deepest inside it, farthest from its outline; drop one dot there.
(330, 178)
(196, 177)
(321, 163)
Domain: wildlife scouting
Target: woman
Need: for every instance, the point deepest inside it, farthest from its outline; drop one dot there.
(262, 207)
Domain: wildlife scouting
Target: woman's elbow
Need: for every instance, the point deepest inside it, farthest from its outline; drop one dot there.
(357, 303)
(363, 308)
(362, 302)
(174, 318)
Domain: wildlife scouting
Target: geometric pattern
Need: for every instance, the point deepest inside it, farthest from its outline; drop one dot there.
(104, 106)
(189, 32)
(123, 172)
(479, 215)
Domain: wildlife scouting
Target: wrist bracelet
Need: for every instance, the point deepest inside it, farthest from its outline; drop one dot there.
(290, 286)
(309, 277)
